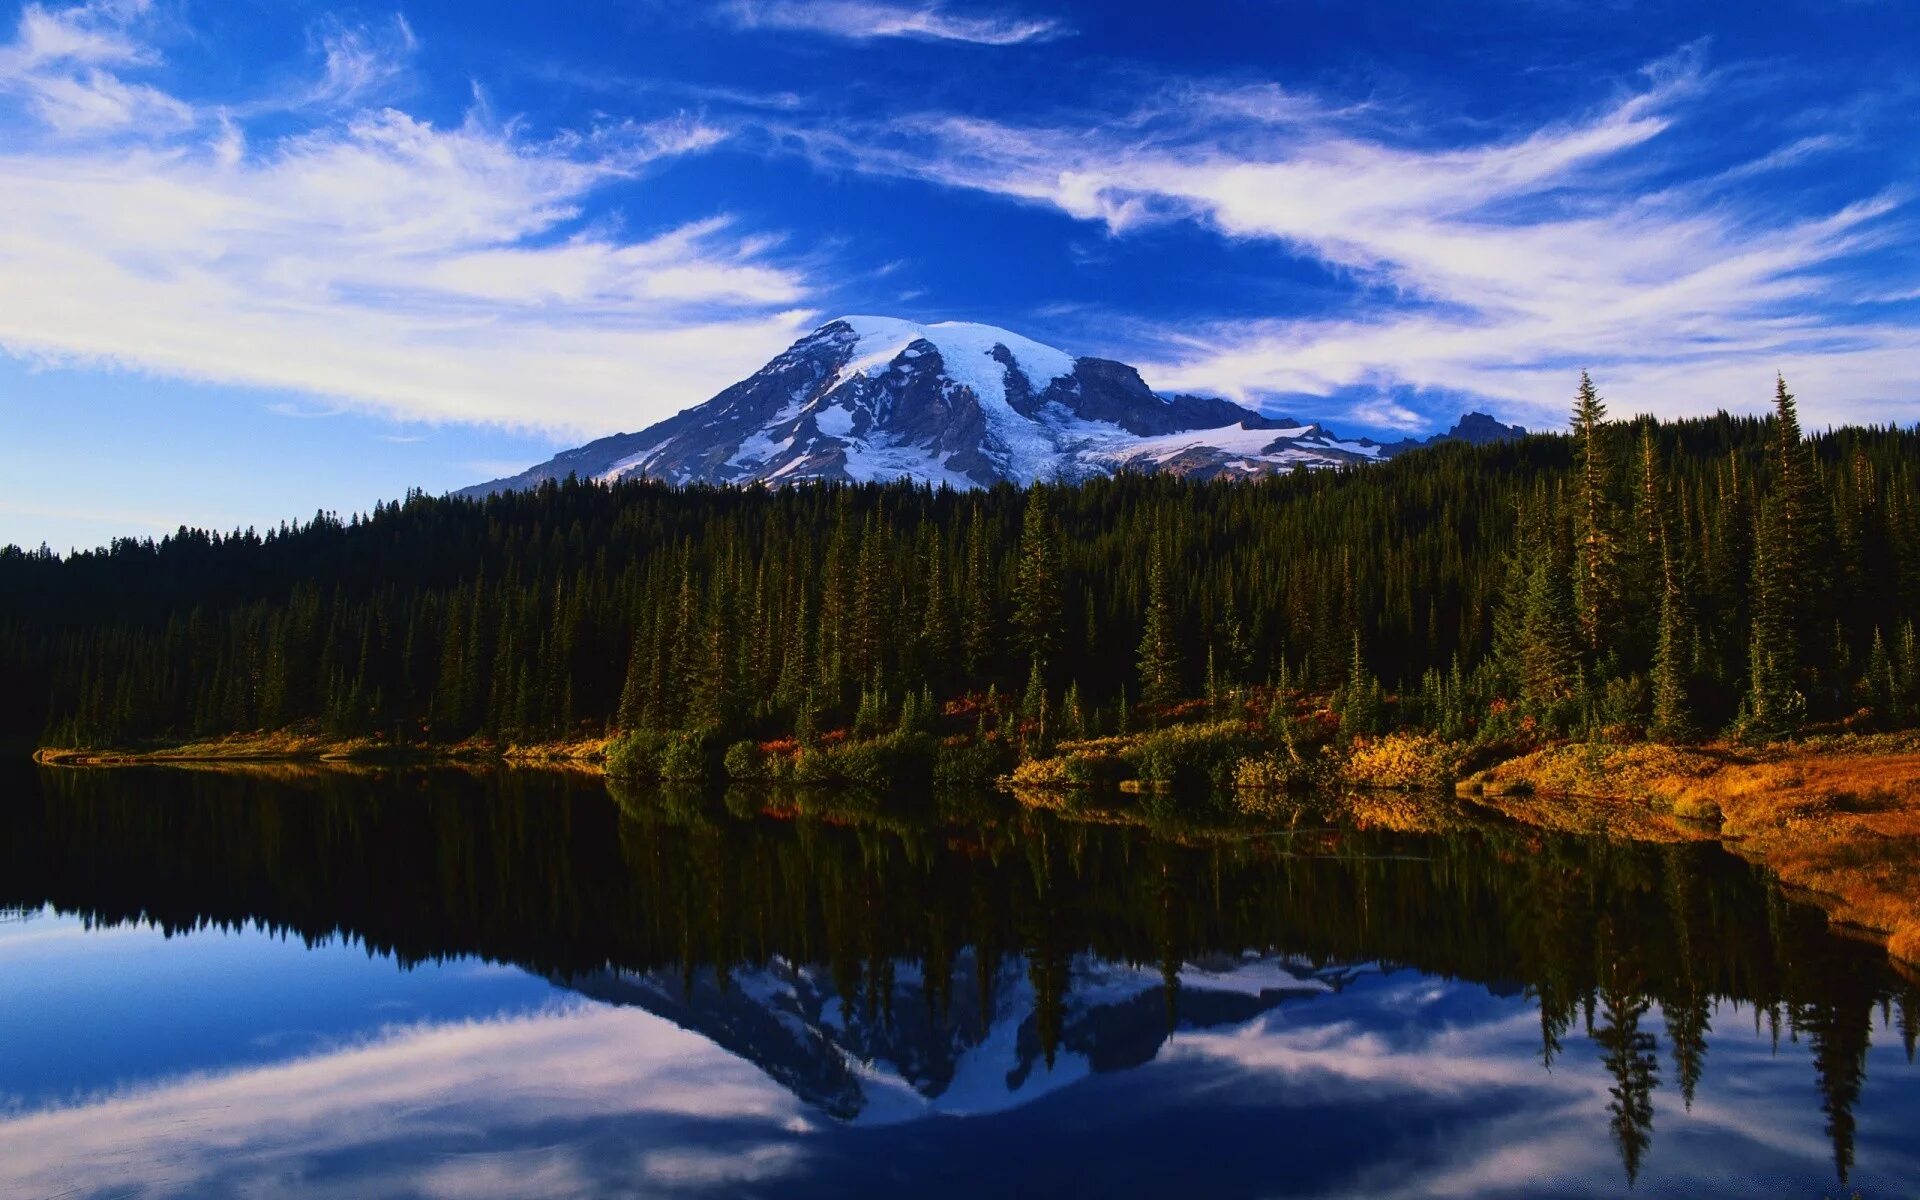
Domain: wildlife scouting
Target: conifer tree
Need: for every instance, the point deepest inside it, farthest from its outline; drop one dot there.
(1596, 582)
(1774, 705)
(1548, 659)
(1037, 582)
(936, 621)
(1159, 655)
(1878, 681)
(1361, 704)
(1797, 521)
(1673, 651)
(977, 648)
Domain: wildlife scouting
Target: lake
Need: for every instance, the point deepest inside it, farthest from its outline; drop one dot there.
(440, 983)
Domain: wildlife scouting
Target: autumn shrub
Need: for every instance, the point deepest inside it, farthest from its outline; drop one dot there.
(1085, 763)
(1278, 771)
(1402, 760)
(1646, 770)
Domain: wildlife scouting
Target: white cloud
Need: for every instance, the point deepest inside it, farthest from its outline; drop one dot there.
(865, 19)
(458, 1109)
(428, 272)
(361, 61)
(1498, 267)
(84, 33)
(60, 65)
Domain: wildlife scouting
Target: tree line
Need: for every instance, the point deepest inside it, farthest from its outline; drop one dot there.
(1678, 579)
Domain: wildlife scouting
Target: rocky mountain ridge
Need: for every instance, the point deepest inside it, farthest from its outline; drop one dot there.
(875, 399)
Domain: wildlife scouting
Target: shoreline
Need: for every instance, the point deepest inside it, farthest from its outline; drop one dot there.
(1834, 820)
(298, 748)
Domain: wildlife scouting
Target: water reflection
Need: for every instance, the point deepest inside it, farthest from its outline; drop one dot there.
(798, 993)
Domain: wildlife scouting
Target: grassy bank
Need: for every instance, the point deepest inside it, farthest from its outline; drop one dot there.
(1837, 818)
(299, 746)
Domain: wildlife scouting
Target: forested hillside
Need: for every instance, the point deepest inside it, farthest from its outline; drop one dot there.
(1678, 579)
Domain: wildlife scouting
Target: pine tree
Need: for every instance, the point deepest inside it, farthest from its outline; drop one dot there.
(977, 646)
(1908, 678)
(1596, 580)
(1237, 644)
(1878, 681)
(1073, 719)
(1036, 586)
(1651, 555)
(1034, 715)
(1796, 525)
(936, 621)
(1673, 651)
(1159, 656)
(1548, 661)
(1361, 703)
(633, 691)
(1774, 705)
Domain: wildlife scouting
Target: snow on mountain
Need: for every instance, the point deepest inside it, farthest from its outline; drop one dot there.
(874, 399)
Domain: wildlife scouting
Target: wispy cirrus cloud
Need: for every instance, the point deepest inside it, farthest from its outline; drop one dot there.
(371, 257)
(63, 64)
(360, 61)
(1494, 266)
(861, 20)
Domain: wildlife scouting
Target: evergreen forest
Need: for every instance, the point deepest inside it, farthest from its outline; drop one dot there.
(1723, 576)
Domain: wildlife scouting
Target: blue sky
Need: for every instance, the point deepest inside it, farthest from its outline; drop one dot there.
(260, 258)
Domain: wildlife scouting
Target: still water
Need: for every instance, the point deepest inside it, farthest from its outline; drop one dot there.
(506, 984)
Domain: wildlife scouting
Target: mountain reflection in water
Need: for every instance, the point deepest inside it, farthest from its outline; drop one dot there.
(802, 992)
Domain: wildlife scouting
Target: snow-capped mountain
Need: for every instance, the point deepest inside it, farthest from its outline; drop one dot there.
(977, 1050)
(878, 399)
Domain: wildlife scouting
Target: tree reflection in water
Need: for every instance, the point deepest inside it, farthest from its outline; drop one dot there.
(549, 873)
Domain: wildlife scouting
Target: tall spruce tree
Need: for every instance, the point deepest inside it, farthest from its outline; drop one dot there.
(1797, 522)
(1672, 656)
(1549, 661)
(1596, 580)
(1159, 654)
(1037, 582)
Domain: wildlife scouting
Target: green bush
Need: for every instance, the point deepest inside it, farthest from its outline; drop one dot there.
(892, 760)
(688, 758)
(636, 755)
(1190, 755)
(744, 761)
(812, 764)
(976, 760)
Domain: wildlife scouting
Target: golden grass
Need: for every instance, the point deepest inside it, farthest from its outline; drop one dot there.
(1838, 817)
(303, 746)
(1844, 826)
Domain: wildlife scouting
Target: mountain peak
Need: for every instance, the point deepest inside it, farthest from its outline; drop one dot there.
(954, 403)
(966, 348)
